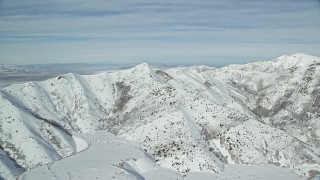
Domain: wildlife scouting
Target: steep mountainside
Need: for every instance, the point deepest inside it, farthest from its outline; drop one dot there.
(189, 119)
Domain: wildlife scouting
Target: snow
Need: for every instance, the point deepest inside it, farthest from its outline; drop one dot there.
(223, 151)
(193, 119)
(245, 172)
(298, 59)
(105, 158)
(80, 144)
(195, 133)
(109, 157)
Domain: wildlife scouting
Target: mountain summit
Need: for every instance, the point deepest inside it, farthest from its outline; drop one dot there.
(194, 119)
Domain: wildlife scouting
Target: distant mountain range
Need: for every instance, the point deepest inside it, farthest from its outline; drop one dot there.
(81, 68)
(189, 119)
(70, 67)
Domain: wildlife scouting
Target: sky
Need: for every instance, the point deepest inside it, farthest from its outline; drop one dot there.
(164, 31)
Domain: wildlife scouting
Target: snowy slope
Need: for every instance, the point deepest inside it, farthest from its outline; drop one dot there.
(110, 157)
(195, 119)
(107, 157)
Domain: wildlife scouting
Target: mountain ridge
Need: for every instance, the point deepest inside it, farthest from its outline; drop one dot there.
(243, 114)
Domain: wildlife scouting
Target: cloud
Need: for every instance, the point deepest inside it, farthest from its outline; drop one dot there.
(155, 29)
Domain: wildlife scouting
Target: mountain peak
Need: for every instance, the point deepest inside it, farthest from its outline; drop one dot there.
(142, 67)
(297, 59)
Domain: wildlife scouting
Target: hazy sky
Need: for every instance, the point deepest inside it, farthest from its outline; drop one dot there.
(164, 31)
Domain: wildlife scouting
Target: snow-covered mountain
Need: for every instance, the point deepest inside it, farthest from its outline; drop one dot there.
(193, 119)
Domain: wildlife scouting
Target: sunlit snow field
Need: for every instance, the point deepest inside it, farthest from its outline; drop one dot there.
(108, 157)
